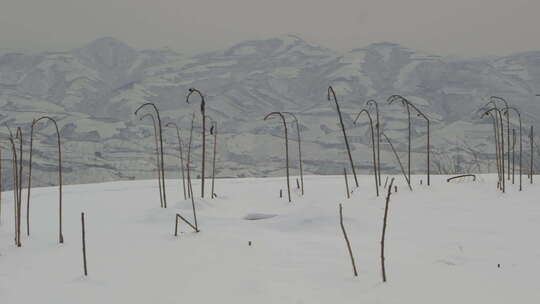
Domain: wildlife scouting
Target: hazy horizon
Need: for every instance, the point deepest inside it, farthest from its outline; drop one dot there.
(457, 28)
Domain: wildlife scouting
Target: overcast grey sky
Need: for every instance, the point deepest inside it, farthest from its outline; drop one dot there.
(446, 27)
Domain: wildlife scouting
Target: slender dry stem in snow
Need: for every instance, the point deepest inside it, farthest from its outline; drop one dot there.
(383, 268)
(178, 216)
(16, 199)
(59, 146)
(372, 147)
(149, 104)
(398, 160)
(532, 153)
(188, 166)
(20, 175)
(299, 151)
(172, 124)
(158, 163)
(286, 148)
(513, 155)
(404, 102)
(203, 107)
(494, 98)
(378, 126)
(83, 227)
(507, 113)
(347, 240)
(346, 182)
(333, 93)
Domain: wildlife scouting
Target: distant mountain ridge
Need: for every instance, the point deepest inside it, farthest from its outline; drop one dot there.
(93, 91)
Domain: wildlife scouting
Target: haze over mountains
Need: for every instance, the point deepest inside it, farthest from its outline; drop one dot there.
(94, 90)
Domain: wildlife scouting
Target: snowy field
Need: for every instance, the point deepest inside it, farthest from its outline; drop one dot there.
(443, 245)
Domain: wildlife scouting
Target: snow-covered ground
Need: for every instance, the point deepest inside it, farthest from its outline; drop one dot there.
(444, 244)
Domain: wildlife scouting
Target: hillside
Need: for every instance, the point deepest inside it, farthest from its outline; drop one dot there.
(93, 91)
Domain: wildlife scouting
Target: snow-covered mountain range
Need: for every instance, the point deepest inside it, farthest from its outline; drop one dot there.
(94, 90)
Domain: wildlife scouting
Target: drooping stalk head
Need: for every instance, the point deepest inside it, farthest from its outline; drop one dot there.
(194, 90)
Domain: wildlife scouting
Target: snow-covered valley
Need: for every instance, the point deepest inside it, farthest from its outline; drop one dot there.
(92, 91)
